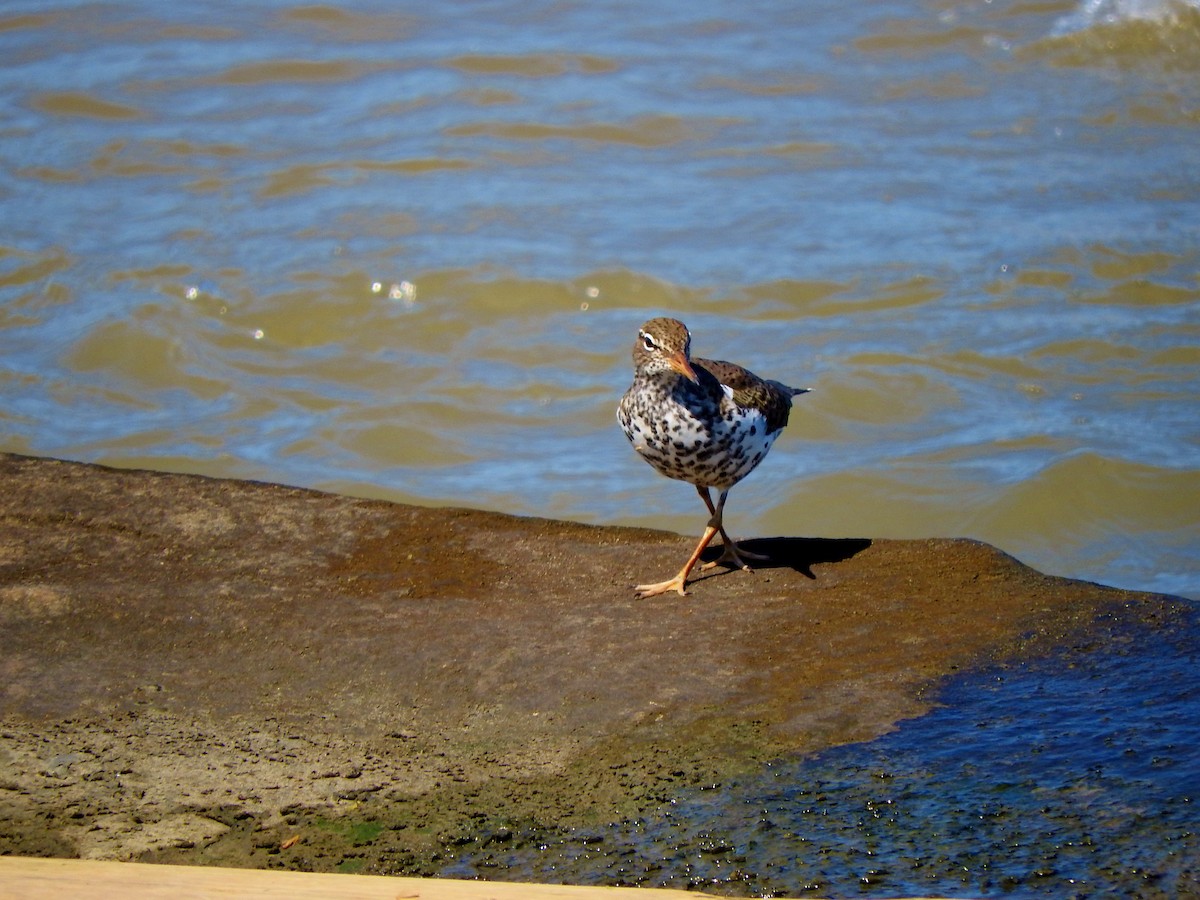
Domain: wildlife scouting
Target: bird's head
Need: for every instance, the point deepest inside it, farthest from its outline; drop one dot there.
(664, 345)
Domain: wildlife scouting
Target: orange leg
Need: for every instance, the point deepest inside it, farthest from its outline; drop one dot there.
(729, 555)
(677, 583)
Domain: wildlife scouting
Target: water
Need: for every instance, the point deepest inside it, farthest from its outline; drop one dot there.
(402, 251)
(1069, 777)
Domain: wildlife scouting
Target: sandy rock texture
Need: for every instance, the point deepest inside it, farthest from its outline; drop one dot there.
(203, 670)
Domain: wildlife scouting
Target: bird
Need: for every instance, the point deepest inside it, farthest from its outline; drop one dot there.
(704, 421)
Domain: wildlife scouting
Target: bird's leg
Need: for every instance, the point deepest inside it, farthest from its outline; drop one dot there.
(677, 583)
(730, 556)
(712, 511)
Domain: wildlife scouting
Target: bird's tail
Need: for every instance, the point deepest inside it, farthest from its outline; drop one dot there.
(792, 391)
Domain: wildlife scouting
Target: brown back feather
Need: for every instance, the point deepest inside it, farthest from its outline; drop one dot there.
(771, 397)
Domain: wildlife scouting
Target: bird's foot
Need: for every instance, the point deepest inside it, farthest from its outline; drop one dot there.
(733, 558)
(642, 591)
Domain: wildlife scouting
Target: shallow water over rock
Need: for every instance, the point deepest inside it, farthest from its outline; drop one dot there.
(1069, 776)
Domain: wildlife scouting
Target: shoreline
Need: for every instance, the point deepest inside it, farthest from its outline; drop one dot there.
(200, 670)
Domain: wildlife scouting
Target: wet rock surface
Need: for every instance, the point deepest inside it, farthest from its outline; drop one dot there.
(211, 671)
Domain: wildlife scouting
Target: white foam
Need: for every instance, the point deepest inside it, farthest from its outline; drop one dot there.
(1092, 13)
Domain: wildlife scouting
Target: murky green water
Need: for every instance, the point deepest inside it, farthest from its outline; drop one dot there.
(403, 250)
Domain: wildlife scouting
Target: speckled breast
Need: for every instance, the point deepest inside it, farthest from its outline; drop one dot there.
(697, 440)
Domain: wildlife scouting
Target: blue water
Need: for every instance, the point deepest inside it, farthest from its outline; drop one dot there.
(1071, 776)
(402, 251)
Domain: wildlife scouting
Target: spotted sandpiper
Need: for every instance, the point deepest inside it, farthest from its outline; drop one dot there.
(703, 421)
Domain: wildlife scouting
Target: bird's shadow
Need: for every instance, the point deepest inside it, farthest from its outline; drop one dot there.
(800, 554)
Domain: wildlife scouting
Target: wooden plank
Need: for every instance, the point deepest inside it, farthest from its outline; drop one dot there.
(23, 878)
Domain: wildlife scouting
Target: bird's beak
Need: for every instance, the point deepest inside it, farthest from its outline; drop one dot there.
(680, 364)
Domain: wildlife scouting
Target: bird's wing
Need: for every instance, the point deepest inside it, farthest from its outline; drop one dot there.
(729, 374)
(773, 399)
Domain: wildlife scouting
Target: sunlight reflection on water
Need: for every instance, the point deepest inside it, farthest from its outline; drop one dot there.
(405, 255)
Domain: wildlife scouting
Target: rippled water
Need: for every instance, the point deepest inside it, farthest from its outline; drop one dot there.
(402, 250)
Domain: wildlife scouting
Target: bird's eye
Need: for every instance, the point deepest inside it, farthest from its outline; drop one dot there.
(648, 342)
